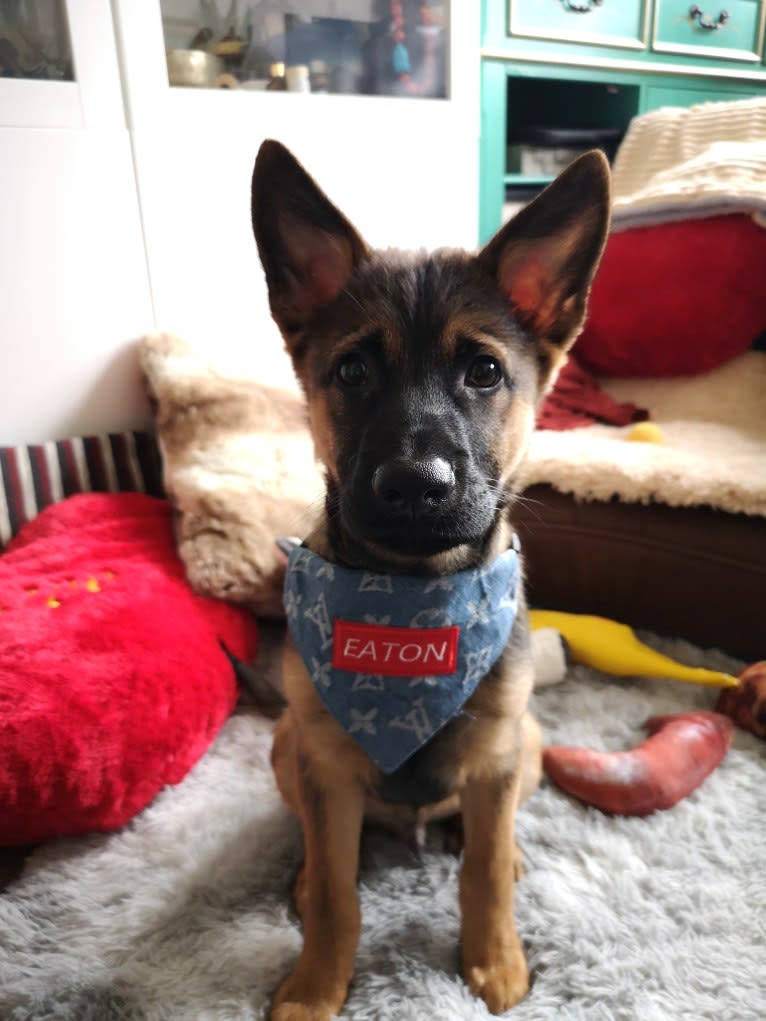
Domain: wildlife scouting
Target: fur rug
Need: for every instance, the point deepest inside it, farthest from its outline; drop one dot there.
(714, 451)
(184, 914)
(238, 467)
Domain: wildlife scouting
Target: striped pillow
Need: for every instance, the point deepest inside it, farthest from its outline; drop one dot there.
(34, 477)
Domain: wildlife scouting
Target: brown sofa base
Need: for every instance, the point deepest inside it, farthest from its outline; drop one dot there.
(695, 573)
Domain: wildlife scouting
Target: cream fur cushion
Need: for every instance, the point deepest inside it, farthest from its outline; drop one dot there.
(238, 467)
(713, 455)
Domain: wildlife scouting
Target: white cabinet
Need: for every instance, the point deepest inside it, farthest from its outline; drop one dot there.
(74, 287)
(404, 170)
(94, 98)
(164, 206)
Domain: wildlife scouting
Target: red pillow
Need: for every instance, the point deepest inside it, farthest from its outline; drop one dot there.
(677, 298)
(113, 681)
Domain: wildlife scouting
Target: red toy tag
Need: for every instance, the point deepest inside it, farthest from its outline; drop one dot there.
(394, 651)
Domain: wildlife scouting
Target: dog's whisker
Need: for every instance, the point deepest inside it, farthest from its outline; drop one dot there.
(524, 498)
(531, 504)
(305, 519)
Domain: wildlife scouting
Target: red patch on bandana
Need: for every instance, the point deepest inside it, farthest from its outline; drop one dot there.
(394, 651)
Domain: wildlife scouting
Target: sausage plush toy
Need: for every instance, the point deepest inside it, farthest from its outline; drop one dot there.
(682, 749)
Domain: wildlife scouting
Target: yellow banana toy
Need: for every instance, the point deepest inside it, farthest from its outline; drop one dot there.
(614, 649)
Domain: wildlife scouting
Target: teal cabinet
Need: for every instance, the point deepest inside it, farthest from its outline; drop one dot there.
(559, 76)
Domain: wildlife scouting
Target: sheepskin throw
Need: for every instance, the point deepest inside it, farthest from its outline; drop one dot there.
(714, 450)
(238, 467)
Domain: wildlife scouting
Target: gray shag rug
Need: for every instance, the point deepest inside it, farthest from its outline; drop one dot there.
(185, 913)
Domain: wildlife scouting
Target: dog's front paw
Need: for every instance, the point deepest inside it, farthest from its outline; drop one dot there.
(501, 985)
(299, 999)
(301, 1012)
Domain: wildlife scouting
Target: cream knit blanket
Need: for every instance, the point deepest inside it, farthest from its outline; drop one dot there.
(677, 163)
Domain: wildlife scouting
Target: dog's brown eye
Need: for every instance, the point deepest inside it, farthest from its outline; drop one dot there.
(352, 370)
(484, 372)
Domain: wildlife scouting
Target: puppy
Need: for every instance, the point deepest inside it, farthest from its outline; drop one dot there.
(407, 671)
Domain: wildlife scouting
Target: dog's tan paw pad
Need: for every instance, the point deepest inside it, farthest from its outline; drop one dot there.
(501, 986)
(300, 1000)
(301, 1012)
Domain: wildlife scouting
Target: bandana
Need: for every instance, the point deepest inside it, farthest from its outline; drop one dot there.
(394, 657)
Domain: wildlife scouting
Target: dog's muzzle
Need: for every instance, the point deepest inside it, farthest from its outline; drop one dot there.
(417, 506)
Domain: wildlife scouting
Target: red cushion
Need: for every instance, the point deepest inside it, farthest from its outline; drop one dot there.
(113, 681)
(678, 298)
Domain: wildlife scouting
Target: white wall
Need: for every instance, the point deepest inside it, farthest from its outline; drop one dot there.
(403, 178)
(74, 291)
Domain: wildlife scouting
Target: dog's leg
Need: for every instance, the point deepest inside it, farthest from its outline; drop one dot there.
(494, 965)
(331, 812)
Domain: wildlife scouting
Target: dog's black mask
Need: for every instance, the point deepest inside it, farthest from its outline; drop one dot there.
(418, 410)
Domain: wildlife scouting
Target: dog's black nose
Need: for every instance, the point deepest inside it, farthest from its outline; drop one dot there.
(414, 488)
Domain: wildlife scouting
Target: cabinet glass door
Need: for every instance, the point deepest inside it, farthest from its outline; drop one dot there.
(368, 47)
(58, 65)
(34, 40)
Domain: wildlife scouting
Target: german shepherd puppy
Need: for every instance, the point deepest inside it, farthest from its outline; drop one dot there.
(422, 374)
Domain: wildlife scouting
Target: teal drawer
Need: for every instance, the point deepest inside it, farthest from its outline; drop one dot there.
(666, 95)
(723, 30)
(620, 23)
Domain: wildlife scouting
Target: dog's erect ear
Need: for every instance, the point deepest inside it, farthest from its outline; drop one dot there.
(544, 260)
(307, 247)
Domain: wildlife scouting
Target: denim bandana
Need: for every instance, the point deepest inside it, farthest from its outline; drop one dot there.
(394, 657)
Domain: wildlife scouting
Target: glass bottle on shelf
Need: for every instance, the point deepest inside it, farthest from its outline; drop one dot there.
(277, 78)
(320, 76)
(298, 80)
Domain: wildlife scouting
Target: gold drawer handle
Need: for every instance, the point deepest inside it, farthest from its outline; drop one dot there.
(696, 14)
